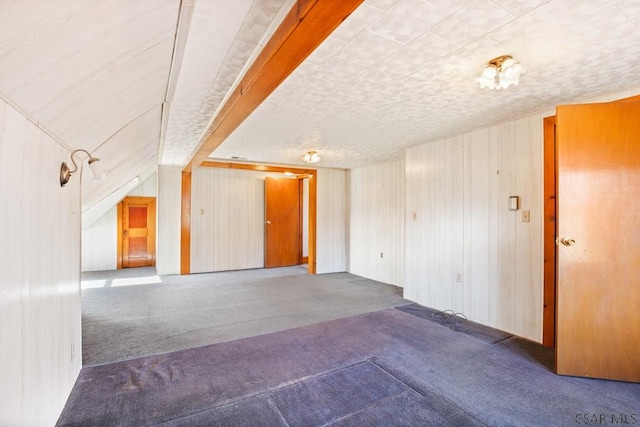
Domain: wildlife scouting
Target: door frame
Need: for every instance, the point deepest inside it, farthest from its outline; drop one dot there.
(185, 229)
(550, 232)
(151, 205)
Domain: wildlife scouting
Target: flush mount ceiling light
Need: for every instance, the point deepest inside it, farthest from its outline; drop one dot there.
(311, 157)
(65, 172)
(501, 72)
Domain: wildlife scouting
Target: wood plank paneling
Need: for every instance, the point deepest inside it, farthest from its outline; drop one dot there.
(529, 235)
(39, 275)
(99, 243)
(465, 250)
(147, 188)
(169, 211)
(331, 248)
(376, 222)
(504, 313)
(227, 219)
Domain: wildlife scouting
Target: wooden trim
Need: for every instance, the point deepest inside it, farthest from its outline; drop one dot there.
(257, 167)
(631, 98)
(308, 23)
(185, 224)
(550, 232)
(301, 218)
(313, 194)
(119, 238)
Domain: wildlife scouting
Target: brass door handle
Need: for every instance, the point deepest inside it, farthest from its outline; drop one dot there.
(568, 241)
(268, 222)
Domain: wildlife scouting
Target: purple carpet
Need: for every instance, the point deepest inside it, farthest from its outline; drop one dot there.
(382, 368)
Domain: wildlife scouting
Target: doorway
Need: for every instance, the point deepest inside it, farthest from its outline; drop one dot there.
(136, 240)
(185, 231)
(597, 193)
(283, 222)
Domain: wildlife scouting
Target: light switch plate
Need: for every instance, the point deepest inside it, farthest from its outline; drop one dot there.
(514, 203)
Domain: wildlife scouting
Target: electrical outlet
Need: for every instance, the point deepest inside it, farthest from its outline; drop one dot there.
(526, 216)
(458, 277)
(381, 254)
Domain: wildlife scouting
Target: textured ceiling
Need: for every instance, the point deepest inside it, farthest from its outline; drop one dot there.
(400, 73)
(98, 74)
(223, 37)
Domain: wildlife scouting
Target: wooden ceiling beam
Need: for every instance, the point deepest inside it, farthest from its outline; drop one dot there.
(308, 23)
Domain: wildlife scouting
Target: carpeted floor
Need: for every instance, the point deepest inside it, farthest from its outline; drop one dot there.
(133, 312)
(382, 368)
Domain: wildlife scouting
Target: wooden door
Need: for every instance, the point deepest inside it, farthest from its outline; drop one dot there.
(136, 232)
(283, 243)
(598, 282)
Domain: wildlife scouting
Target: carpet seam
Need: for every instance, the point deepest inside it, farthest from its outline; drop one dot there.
(267, 392)
(473, 416)
(409, 390)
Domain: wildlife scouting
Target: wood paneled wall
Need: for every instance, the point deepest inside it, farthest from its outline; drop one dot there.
(376, 222)
(227, 219)
(331, 236)
(40, 338)
(465, 250)
(99, 242)
(168, 223)
(147, 188)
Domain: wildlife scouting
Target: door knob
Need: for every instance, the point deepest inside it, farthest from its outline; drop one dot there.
(268, 222)
(568, 241)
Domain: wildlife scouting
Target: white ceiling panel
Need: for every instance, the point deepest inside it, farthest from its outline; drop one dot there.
(130, 152)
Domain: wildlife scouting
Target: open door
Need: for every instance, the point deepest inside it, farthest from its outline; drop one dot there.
(283, 243)
(137, 232)
(598, 269)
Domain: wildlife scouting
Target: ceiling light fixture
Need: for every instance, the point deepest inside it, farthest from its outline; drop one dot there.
(65, 172)
(311, 157)
(501, 72)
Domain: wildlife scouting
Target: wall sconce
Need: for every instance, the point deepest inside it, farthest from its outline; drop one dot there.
(501, 72)
(65, 172)
(311, 157)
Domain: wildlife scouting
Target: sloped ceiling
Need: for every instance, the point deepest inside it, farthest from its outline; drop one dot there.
(95, 74)
(100, 75)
